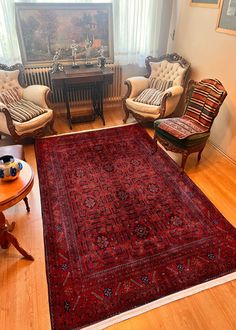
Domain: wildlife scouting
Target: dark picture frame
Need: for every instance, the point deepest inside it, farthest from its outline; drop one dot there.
(226, 22)
(205, 3)
(44, 28)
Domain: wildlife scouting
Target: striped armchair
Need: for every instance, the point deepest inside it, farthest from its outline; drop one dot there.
(190, 132)
(24, 111)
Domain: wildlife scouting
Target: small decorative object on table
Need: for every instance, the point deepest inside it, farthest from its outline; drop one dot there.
(56, 66)
(101, 58)
(88, 47)
(74, 47)
(9, 168)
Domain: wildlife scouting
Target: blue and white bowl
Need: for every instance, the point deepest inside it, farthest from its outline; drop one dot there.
(10, 168)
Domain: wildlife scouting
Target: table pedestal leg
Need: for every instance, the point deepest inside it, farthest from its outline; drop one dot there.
(10, 226)
(6, 238)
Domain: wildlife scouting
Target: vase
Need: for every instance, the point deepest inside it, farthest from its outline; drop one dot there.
(10, 168)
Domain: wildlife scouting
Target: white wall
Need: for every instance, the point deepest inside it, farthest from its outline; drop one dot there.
(212, 55)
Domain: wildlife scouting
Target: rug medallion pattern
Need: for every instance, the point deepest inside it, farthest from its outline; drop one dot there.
(123, 226)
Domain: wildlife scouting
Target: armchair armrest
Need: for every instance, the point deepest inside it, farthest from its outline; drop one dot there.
(6, 122)
(135, 86)
(4, 110)
(174, 91)
(37, 94)
(170, 100)
(2, 106)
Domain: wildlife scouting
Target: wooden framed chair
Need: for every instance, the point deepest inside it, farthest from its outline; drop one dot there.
(158, 93)
(24, 111)
(190, 132)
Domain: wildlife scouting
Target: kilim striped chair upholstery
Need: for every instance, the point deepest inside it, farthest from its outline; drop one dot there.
(24, 111)
(190, 132)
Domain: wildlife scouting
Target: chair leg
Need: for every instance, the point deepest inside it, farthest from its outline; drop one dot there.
(51, 127)
(200, 154)
(126, 112)
(155, 142)
(126, 116)
(184, 158)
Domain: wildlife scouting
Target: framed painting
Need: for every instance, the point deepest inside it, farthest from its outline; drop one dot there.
(44, 29)
(227, 17)
(205, 3)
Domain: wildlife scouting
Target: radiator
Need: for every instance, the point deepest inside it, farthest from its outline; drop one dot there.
(40, 76)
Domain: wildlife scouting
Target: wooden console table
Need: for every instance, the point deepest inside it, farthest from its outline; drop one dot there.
(11, 192)
(93, 79)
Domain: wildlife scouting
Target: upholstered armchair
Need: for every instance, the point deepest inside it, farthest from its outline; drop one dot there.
(189, 133)
(24, 111)
(158, 93)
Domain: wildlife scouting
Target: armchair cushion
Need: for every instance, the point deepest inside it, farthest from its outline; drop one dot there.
(11, 95)
(150, 96)
(23, 110)
(160, 84)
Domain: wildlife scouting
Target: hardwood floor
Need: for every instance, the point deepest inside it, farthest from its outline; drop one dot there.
(23, 285)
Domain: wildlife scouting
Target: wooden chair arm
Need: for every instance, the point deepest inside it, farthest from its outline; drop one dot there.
(9, 121)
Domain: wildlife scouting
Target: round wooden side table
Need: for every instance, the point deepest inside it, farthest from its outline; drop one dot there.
(12, 192)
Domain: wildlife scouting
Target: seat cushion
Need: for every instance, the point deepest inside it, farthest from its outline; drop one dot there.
(181, 128)
(33, 124)
(141, 107)
(189, 142)
(150, 96)
(24, 110)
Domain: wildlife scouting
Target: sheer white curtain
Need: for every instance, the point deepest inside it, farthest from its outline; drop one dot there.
(138, 29)
(9, 49)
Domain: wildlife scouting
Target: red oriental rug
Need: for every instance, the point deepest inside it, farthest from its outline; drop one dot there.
(123, 227)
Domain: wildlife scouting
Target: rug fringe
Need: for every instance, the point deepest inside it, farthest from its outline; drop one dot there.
(160, 302)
